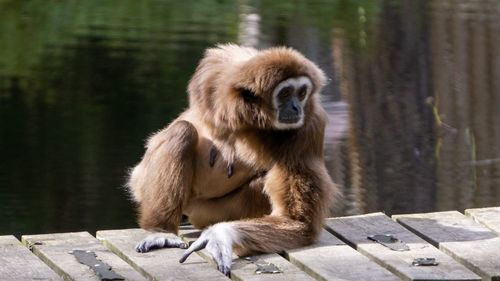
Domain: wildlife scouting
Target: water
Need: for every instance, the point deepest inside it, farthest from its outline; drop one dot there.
(414, 98)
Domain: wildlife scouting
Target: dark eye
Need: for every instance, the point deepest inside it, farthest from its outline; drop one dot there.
(302, 93)
(248, 95)
(285, 92)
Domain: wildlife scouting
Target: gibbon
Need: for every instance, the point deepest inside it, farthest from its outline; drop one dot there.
(244, 161)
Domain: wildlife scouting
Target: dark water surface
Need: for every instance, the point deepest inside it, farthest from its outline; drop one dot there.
(414, 98)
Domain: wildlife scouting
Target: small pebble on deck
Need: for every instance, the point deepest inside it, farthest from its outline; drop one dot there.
(463, 246)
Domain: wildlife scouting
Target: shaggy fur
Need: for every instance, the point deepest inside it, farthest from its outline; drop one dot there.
(279, 192)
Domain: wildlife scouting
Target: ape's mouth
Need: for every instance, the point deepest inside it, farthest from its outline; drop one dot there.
(289, 119)
(289, 123)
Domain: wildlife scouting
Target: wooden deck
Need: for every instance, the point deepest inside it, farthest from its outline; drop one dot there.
(464, 246)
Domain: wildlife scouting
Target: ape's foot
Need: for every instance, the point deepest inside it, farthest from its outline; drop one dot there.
(158, 241)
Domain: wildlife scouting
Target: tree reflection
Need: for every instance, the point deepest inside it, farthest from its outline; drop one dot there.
(412, 98)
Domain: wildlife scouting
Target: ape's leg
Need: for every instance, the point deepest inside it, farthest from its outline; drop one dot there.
(248, 201)
(161, 182)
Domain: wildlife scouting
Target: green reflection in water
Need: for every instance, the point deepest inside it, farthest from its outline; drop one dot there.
(82, 84)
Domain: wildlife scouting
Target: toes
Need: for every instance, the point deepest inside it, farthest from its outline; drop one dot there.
(142, 247)
(156, 241)
(147, 245)
(138, 248)
(175, 243)
(151, 242)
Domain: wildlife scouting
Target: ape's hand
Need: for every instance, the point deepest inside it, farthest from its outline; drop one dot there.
(218, 241)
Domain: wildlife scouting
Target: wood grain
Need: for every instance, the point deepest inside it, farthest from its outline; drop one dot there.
(355, 230)
(490, 217)
(470, 243)
(17, 263)
(162, 264)
(55, 251)
(331, 259)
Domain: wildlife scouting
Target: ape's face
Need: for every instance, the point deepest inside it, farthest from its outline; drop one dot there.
(289, 99)
(281, 107)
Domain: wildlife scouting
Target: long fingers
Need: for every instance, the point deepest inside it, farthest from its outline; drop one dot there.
(222, 260)
(196, 246)
(219, 245)
(224, 269)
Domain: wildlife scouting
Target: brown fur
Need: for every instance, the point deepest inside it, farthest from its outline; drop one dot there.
(248, 201)
(161, 183)
(175, 174)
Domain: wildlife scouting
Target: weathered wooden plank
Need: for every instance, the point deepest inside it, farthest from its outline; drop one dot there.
(331, 259)
(162, 264)
(18, 263)
(490, 217)
(356, 229)
(470, 243)
(245, 270)
(55, 251)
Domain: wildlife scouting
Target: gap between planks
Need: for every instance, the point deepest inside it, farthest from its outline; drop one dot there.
(356, 229)
(56, 251)
(17, 263)
(316, 261)
(466, 241)
(327, 259)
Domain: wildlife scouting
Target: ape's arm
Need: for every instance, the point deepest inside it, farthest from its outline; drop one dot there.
(299, 196)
